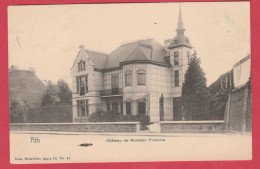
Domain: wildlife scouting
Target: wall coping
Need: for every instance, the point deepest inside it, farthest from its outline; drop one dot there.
(185, 122)
(74, 123)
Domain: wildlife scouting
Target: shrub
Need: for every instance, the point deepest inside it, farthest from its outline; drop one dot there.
(102, 116)
(110, 116)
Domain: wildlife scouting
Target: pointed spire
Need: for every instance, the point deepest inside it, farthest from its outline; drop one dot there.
(180, 22)
(180, 27)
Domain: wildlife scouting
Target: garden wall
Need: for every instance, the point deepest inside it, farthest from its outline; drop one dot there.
(78, 127)
(191, 126)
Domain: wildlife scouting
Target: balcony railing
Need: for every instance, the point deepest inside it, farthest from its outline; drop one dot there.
(115, 91)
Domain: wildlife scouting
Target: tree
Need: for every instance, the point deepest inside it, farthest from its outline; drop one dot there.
(195, 95)
(16, 111)
(64, 92)
(56, 93)
(49, 97)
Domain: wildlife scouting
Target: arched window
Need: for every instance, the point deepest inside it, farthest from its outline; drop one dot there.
(128, 78)
(140, 77)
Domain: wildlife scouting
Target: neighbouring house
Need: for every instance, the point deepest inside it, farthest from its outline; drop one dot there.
(25, 93)
(233, 89)
(25, 87)
(141, 77)
(238, 114)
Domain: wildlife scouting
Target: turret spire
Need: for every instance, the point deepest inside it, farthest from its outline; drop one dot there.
(180, 28)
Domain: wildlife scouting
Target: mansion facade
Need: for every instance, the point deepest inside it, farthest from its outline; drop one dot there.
(141, 77)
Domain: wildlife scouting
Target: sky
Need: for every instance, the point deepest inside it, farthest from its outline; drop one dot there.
(47, 37)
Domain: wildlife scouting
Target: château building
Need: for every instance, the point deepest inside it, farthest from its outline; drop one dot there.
(141, 77)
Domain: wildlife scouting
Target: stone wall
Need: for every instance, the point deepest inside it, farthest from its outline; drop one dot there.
(78, 127)
(191, 126)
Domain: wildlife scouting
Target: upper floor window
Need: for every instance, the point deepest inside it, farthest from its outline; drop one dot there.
(115, 81)
(176, 77)
(81, 65)
(176, 58)
(188, 57)
(140, 77)
(128, 78)
(82, 84)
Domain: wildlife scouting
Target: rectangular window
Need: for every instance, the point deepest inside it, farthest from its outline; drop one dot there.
(176, 58)
(115, 81)
(128, 107)
(176, 77)
(141, 78)
(121, 105)
(82, 106)
(108, 107)
(82, 85)
(188, 57)
(81, 65)
(77, 79)
(141, 108)
(115, 107)
(128, 79)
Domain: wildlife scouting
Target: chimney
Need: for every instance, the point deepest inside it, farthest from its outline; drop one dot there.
(14, 67)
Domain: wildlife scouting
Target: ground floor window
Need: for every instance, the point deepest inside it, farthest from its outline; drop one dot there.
(108, 107)
(121, 108)
(128, 107)
(115, 107)
(141, 108)
(82, 106)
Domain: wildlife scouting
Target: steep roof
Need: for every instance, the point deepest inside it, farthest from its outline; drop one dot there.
(145, 50)
(25, 85)
(97, 58)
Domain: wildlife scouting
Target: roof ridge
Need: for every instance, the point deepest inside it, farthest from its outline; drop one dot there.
(135, 41)
(94, 51)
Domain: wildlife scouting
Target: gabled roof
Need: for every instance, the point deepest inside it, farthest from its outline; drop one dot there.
(147, 50)
(242, 61)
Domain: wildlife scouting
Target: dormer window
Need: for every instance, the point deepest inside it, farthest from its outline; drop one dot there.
(81, 65)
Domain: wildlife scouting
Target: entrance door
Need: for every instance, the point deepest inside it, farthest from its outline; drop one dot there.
(115, 107)
(177, 110)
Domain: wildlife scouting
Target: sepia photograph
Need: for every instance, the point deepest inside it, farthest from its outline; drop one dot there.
(129, 82)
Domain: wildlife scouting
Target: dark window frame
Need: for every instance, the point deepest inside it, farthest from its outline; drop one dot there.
(176, 58)
(128, 108)
(140, 73)
(81, 103)
(81, 65)
(128, 74)
(177, 78)
(79, 84)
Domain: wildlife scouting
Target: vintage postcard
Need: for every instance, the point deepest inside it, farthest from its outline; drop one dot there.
(129, 82)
